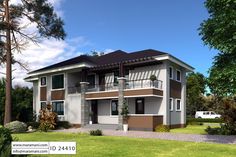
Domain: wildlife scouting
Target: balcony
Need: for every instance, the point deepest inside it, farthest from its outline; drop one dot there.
(129, 85)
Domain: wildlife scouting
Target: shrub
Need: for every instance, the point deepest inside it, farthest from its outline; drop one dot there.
(5, 142)
(212, 131)
(47, 119)
(162, 128)
(35, 125)
(16, 127)
(63, 124)
(95, 132)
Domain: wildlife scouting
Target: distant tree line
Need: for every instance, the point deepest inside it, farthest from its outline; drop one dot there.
(22, 103)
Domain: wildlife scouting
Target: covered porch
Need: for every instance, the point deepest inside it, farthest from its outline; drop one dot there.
(145, 113)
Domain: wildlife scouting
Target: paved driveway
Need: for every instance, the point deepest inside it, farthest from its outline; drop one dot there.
(165, 136)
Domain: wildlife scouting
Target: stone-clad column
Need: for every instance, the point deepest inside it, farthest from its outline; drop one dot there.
(84, 104)
(121, 100)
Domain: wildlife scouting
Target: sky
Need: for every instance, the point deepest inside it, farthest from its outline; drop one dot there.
(130, 25)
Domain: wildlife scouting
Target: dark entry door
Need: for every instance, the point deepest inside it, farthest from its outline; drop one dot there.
(102, 82)
(94, 108)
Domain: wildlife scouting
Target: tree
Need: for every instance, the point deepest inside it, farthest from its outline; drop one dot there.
(196, 84)
(39, 12)
(219, 32)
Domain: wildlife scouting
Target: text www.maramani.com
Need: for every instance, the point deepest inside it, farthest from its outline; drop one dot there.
(43, 148)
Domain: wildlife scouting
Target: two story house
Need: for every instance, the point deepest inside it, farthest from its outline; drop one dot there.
(96, 87)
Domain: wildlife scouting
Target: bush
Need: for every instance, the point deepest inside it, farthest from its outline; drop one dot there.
(47, 119)
(162, 128)
(5, 142)
(212, 131)
(63, 124)
(35, 125)
(95, 132)
(193, 121)
(16, 127)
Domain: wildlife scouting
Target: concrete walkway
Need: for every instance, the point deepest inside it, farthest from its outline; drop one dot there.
(165, 136)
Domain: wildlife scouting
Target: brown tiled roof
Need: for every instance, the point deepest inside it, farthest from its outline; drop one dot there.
(107, 59)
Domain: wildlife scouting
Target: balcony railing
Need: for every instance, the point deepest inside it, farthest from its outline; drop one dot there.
(130, 84)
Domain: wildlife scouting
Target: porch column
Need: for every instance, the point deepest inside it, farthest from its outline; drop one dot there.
(183, 99)
(121, 100)
(84, 105)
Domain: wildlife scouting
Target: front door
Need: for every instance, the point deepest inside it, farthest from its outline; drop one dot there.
(94, 108)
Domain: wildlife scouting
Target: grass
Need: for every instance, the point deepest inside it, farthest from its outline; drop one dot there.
(100, 146)
(194, 129)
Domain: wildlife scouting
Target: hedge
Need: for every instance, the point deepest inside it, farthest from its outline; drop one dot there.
(201, 120)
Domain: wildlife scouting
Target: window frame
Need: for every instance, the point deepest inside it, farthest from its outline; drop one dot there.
(41, 81)
(143, 103)
(111, 115)
(63, 82)
(172, 72)
(176, 105)
(177, 70)
(171, 106)
(63, 106)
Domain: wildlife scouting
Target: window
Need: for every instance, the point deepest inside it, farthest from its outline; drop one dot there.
(43, 105)
(91, 81)
(116, 75)
(178, 75)
(114, 107)
(139, 106)
(178, 105)
(43, 81)
(58, 81)
(171, 104)
(171, 73)
(58, 107)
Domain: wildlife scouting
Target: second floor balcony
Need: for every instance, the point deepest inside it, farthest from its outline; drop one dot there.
(113, 86)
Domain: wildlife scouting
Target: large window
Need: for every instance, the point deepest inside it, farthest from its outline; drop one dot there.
(91, 81)
(43, 105)
(171, 72)
(178, 75)
(171, 104)
(58, 81)
(43, 81)
(178, 105)
(58, 107)
(139, 107)
(114, 107)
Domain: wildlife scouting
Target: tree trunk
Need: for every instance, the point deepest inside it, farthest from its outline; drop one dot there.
(7, 117)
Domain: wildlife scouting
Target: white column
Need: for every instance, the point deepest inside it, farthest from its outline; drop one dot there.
(166, 94)
(183, 97)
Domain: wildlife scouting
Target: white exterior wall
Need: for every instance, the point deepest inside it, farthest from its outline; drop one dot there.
(36, 103)
(104, 113)
(73, 108)
(152, 105)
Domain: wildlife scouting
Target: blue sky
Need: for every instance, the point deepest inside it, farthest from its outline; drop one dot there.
(130, 25)
(165, 25)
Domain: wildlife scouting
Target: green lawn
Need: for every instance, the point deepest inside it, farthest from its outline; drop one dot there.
(191, 129)
(194, 129)
(95, 146)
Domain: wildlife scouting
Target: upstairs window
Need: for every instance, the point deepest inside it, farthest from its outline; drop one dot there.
(58, 81)
(171, 72)
(43, 81)
(116, 75)
(178, 75)
(91, 81)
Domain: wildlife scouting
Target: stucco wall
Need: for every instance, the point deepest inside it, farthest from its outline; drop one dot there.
(152, 105)
(104, 116)
(73, 108)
